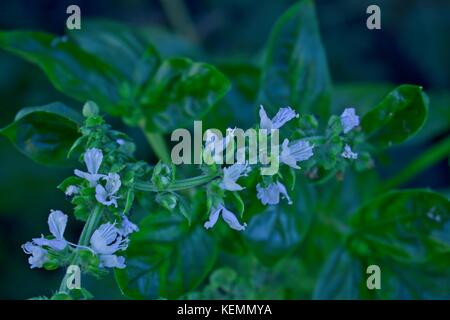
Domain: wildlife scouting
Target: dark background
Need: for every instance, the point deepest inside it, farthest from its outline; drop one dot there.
(412, 47)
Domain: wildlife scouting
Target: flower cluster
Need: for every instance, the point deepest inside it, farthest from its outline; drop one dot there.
(271, 190)
(106, 241)
(103, 194)
(292, 152)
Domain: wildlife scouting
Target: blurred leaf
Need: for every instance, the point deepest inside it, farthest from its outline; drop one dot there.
(166, 258)
(362, 97)
(74, 72)
(397, 117)
(119, 46)
(170, 44)
(46, 133)
(428, 280)
(237, 108)
(180, 92)
(278, 229)
(407, 226)
(340, 277)
(295, 71)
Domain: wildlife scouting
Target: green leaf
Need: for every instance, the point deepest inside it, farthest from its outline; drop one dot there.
(277, 230)
(397, 117)
(180, 92)
(428, 280)
(71, 70)
(340, 277)
(61, 296)
(120, 47)
(238, 105)
(46, 133)
(408, 226)
(295, 71)
(238, 203)
(166, 258)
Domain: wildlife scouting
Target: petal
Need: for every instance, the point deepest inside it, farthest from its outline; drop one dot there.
(283, 115)
(230, 186)
(81, 174)
(127, 227)
(112, 261)
(57, 222)
(268, 195)
(348, 153)
(113, 183)
(55, 244)
(102, 237)
(72, 190)
(93, 159)
(213, 216)
(349, 119)
(38, 255)
(92, 178)
(265, 122)
(301, 150)
(283, 191)
(102, 196)
(232, 221)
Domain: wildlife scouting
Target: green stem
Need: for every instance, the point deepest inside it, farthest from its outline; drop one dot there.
(88, 229)
(158, 145)
(176, 185)
(427, 159)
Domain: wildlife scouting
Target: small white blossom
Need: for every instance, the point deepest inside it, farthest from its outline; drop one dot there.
(112, 261)
(93, 159)
(228, 216)
(38, 255)
(106, 194)
(72, 190)
(216, 146)
(57, 222)
(231, 174)
(127, 227)
(349, 119)
(105, 241)
(298, 150)
(120, 142)
(348, 153)
(271, 194)
(283, 115)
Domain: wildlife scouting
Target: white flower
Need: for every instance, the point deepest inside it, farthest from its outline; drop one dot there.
(231, 174)
(227, 216)
(105, 241)
(38, 255)
(298, 150)
(283, 115)
(216, 146)
(106, 194)
(93, 159)
(112, 261)
(348, 153)
(349, 119)
(127, 227)
(57, 222)
(271, 194)
(72, 190)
